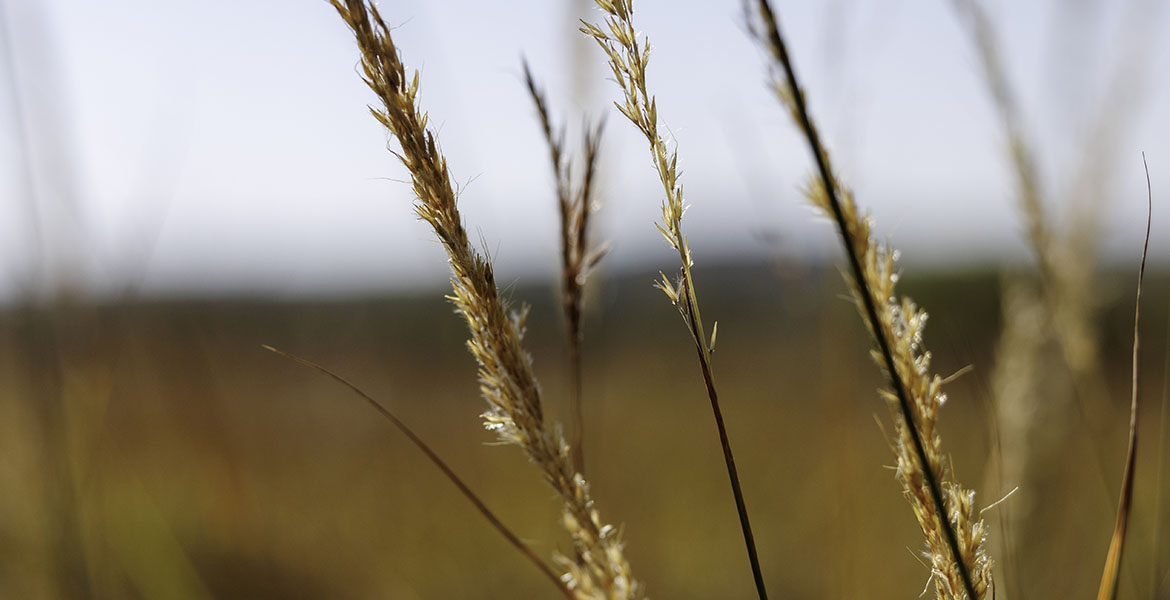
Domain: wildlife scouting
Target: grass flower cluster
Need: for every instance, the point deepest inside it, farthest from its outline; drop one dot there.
(956, 548)
(628, 61)
(597, 567)
(960, 567)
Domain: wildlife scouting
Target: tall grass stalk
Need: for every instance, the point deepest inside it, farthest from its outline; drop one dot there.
(597, 567)
(945, 511)
(574, 204)
(628, 60)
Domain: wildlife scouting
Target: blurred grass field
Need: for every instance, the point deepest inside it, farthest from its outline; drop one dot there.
(154, 450)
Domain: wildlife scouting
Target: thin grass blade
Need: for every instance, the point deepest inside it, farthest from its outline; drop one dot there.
(438, 462)
(1112, 572)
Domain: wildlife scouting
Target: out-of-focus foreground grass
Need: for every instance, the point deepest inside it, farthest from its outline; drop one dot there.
(153, 450)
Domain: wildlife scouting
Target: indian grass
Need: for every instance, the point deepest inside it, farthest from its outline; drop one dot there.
(954, 532)
(597, 566)
(628, 60)
(578, 258)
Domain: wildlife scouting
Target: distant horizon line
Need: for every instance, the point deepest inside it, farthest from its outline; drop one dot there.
(623, 273)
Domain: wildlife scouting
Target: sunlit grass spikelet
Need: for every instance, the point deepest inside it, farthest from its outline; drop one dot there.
(960, 567)
(628, 60)
(597, 568)
(902, 323)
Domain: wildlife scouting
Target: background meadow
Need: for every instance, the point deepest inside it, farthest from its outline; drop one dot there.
(178, 196)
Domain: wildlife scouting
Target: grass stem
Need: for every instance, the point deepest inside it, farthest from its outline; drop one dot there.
(1112, 572)
(441, 464)
(577, 258)
(869, 303)
(628, 61)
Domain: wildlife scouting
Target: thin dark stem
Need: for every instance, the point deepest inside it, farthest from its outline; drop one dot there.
(725, 443)
(442, 465)
(868, 302)
(574, 282)
(640, 108)
(577, 427)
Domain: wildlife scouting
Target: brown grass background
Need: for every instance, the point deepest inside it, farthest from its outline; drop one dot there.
(152, 449)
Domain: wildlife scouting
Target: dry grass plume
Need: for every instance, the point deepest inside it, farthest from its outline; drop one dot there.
(597, 567)
(628, 58)
(954, 532)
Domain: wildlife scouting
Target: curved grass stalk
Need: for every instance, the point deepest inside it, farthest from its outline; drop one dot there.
(1112, 571)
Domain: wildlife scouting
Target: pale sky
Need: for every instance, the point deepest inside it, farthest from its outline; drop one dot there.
(220, 146)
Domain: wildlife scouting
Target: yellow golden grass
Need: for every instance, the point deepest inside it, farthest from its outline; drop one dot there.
(628, 59)
(597, 567)
(1063, 309)
(954, 532)
(955, 535)
(1065, 302)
